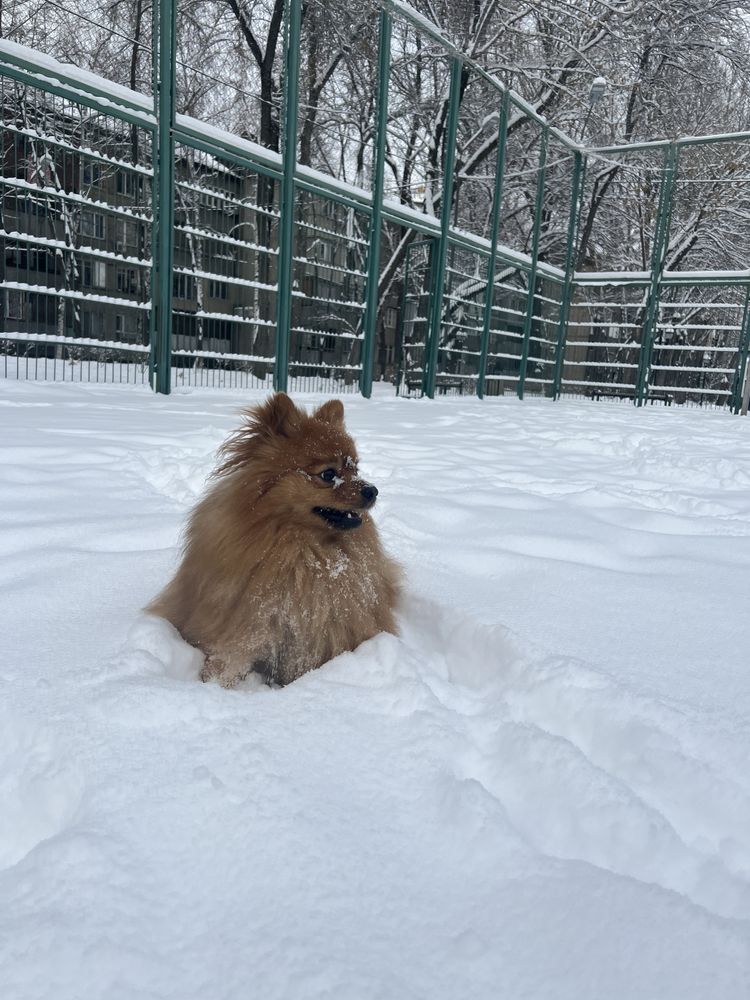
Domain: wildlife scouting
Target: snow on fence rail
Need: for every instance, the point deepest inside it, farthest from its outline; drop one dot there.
(84, 287)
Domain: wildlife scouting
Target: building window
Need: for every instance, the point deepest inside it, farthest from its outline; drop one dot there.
(185, 325)
(92, 174)
(126, 235)
(91, 324)
(31, 206)
(30, 260)
(126, 280)
(43, 310)
(325, 342)
(125, 326)
(128, 183)
(322, 289)
(219, 329)
(15, 304)
(94, 274)
(217, 289)
(92, 224)
(211, 202)
(41, 260)
(220, 258)
(326, 251)
(183, 286)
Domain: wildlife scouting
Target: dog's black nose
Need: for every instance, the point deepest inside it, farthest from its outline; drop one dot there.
(369, 492)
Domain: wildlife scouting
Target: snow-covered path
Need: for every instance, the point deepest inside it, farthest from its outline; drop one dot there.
(541, 789)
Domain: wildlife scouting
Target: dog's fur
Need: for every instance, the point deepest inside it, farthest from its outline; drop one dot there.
(282, 568)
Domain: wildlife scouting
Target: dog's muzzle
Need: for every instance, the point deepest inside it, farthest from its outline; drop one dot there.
(345, 519)
(341, 519)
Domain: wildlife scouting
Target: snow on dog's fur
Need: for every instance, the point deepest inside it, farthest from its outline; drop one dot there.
(283, 567)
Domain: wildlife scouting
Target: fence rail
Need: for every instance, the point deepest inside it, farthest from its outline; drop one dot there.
(140, 245)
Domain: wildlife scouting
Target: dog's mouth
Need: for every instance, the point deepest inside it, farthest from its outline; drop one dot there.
(341, 519)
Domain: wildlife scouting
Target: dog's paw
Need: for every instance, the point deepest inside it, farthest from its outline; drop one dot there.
(212, 668)
(230, 680)
(216, 669)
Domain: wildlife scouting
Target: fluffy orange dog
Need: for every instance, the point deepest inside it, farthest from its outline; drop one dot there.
(282, 568)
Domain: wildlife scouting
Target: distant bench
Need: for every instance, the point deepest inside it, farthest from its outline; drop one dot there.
(609, 394)
(653, 397)
(442, 385)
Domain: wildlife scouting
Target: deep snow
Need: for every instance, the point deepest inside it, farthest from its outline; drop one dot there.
(541, 789)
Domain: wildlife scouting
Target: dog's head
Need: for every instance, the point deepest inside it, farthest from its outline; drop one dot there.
(301, 467)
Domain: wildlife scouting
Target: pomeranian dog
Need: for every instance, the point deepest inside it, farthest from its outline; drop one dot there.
(282, 567)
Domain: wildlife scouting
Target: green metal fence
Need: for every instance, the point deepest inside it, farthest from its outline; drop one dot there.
(142, 246)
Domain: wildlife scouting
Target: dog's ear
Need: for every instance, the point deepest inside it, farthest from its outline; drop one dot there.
(278, 416)
(331, 412)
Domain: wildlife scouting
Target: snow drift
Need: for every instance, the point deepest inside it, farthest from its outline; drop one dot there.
(539, 789)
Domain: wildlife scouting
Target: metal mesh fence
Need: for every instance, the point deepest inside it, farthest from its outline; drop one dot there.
(449, 281)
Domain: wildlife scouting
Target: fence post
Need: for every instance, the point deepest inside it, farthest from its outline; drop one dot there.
(745, 394)
(658, 255)
(436, 301)
(737, 399)
(373, 257)
(154, 136)
(497, 197)
(538, 206)
(286, 203)
(162, 194)
(579, 167)
(401, 322)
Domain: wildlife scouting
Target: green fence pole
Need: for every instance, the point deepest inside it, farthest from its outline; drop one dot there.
(436, 300)
(743, 350)
(658, 254)
(537, 226)
(286, 207)
(162, 196)
(373, 257)
(154, 270)
(401, 321)
(432, 254)
(497, 197)
(579, 167)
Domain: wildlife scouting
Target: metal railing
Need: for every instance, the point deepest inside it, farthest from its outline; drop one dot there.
(142, 245)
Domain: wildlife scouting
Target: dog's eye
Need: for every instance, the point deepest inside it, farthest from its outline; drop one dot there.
(328, 475)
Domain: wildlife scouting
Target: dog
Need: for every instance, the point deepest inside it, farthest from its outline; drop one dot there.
(282, 566)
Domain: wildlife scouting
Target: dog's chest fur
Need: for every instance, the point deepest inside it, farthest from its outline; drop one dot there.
(330, 599)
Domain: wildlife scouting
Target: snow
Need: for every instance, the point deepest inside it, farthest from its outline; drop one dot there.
(611, 277)
(45, 241)
(70, 342)
(540, 789)
(667, 278)
(54, 71)
(67, 293)
(253, 151)
(717, 277)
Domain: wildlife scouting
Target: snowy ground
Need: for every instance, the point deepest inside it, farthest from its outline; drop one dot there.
(540, 790)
